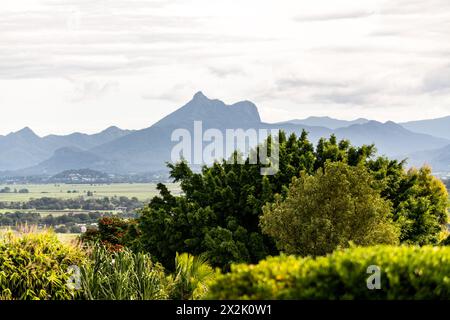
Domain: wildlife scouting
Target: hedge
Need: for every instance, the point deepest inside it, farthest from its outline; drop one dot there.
(34, 266)
(406, 273)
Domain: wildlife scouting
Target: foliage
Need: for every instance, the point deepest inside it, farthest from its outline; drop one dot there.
(113, 232)
(79, 203)
(191, 278)
(219, 211)
(35, 266)
(330, 209)
(9, 190)
(421, 207)
(406, 273)
(122, 275)
(35, 218)
(445, 241)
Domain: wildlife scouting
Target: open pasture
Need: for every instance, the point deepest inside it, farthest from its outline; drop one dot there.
(142, 191)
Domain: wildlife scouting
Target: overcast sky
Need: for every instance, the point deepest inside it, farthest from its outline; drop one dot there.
(83, 65)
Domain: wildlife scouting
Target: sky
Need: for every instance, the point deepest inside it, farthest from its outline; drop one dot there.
(84, 65)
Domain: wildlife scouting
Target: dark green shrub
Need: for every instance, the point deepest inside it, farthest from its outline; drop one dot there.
(406, 273)
(35, 267)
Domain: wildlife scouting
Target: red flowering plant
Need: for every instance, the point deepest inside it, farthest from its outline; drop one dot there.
(112, 233)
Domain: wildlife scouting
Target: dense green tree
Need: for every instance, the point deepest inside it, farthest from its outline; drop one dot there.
(422, 207)
(219, 211)
(330, 209)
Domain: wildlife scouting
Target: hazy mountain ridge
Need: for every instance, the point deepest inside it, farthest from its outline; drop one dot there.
(438, 159)
(24, 148)
(390, 138)
(326, 122)
(121, 151)
(436, 127)
(67, 158)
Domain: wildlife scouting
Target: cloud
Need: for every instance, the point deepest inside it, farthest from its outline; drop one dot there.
(414, 7)
(334, 16)
(110, 4)
(174, 94)
(343, 98)
(438, 80)
(223, 72)
(92, 90)
(293, 82)
(79, 37)
(374, 59)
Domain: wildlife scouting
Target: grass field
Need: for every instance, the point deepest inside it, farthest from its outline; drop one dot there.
(142, 191)
(56, 213)
(63, 237)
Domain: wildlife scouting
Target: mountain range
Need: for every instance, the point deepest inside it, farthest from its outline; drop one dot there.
(326, 122)
(125, 151)
(24, 148)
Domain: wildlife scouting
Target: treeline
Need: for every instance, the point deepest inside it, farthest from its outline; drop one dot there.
(67, 223)
(86, 176)
(323, 197)
(80, 203)
(9, 190)
(35, 218)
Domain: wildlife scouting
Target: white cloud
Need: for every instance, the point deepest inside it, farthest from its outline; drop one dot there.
(353, 58)
(438, 80)
(92, 90)
(334, 16)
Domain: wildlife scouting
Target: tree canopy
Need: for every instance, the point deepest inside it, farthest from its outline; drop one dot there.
(333, 208)
(219, 212)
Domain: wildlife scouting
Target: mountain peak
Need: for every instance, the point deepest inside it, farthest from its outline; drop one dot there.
(111, 129)
(25, 132)
(392, 124)
(200, 96)
(213, 112)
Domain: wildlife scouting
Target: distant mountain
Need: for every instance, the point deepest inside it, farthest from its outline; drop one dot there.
(21, 149)
(390, 138)
(436, 127)
(85, 141)
(68, 158)
(438, 159)
(213, 113)
(326, 122)
(148, 149)
(24, 148)
(123, 152)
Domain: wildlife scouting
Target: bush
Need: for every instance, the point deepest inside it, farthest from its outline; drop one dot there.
(35, 266)
(191, 278)
(123, 275)
(406, 273)
(113, 232)
(328, 210)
